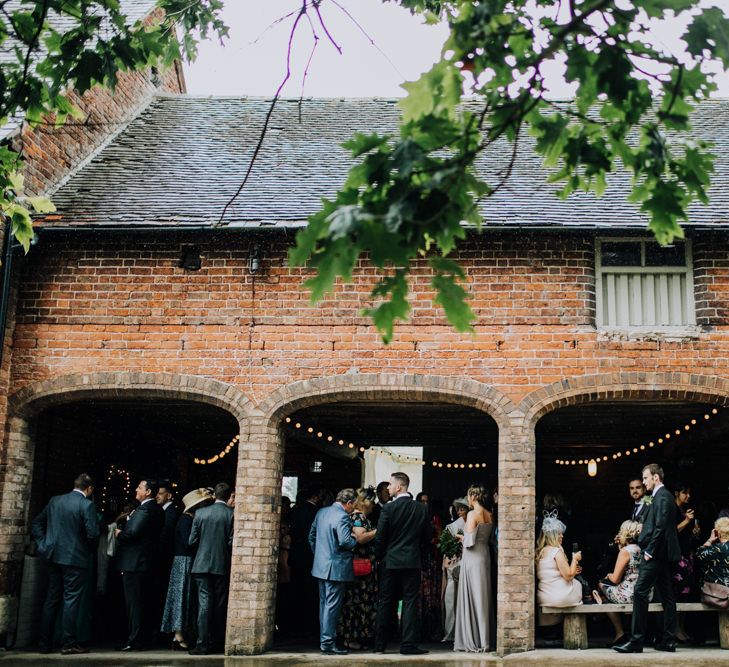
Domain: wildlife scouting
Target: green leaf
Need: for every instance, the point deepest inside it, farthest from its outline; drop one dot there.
(363, 143)
(396, 307)
(437, 92)
(41, 204)
(452, 298)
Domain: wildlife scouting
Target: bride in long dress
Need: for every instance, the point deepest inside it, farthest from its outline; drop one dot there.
(473, 606)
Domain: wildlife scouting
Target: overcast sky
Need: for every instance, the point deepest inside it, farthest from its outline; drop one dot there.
(253, 60)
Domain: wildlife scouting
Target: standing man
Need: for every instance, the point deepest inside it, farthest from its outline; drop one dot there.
(138, 543)
(383, 496)
(165, 499)
(659, 542)
(637, 493)
(333, 543)
(212, 534)
(65, 532)
(301, 559)
(403, 531)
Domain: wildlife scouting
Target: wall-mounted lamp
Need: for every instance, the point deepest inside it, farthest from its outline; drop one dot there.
(190, 259)
(254, 259)
(592, 468)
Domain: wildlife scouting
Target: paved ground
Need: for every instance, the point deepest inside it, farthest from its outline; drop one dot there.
(705, 657)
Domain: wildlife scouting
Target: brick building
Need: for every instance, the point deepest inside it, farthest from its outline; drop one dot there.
(142, 333)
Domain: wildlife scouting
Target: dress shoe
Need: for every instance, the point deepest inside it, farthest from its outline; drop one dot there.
(44, 650)
(668, 648)
(379, 649)
(200, 650)
(620, 640)
(628, 647)
(74, 649)
(334, 651)
(414, 650)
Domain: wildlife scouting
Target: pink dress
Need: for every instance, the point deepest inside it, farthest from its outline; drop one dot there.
(553, 590)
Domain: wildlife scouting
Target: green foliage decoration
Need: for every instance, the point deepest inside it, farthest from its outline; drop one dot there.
(411, 196)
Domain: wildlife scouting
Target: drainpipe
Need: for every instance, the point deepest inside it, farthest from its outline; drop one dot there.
(7, 268)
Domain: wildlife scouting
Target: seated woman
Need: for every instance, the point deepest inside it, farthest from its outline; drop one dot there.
(714, 554)
(618, 586)
(556, 583)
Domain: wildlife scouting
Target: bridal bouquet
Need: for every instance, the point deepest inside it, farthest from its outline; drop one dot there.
(449, 545)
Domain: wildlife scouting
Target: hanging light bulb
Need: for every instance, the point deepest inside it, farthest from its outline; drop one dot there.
(592, 468)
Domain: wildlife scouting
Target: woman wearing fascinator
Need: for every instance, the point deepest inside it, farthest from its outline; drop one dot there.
(556, 582)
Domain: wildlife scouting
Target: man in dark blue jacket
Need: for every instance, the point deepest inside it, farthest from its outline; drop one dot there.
(65, 532)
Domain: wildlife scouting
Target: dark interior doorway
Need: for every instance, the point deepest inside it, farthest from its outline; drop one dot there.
(119, 442)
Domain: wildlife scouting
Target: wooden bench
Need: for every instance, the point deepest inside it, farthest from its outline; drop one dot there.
(575, 622)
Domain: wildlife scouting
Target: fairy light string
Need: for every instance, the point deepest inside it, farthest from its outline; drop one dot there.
(112, 472)
(672, 433)
(221, 454)
(326, 438)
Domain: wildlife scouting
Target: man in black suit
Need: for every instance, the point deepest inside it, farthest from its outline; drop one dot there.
(65, 532)
(165, 499)
(403, 531)
(304, 588)
(637, 493)
(212, 534)
(659, 542)
(138, 545)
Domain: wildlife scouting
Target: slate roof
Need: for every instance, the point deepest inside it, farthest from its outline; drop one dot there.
(182, 158)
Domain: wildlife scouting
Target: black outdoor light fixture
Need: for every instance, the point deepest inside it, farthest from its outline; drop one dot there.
(191, 260)
(254, 259)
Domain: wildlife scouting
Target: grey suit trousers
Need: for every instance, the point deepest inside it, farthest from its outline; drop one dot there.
(331, 599)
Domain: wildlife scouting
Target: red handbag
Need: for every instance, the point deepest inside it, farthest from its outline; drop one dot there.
(362, 567)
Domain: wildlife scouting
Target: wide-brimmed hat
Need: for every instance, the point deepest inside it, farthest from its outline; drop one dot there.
(462, 501)
(195, 498)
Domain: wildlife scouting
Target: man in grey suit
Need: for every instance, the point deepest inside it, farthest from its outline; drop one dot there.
(65, 532)
(212, 534)
(333, 543)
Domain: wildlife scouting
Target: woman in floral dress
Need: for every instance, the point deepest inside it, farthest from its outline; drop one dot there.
(357, 621)
(619, 585)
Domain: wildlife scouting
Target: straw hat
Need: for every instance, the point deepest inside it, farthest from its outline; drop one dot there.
(461, 501)
(195, 498)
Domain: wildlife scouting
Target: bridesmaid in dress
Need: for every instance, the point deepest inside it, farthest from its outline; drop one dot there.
(473, 605)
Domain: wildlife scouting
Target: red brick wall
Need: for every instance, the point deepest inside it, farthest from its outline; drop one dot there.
(116, 303)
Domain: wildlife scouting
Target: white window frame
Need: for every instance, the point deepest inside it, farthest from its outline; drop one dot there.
(687, 270)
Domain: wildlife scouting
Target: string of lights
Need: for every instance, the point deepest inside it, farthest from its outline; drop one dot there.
(592, 461)
(399, 458)
(112, 472)
(221, 454)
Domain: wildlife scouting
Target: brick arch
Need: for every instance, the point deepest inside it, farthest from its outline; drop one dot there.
(34, 398)
(634, 386)
(387, 386)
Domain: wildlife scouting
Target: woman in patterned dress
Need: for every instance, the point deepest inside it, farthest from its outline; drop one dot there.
(713, 555)
(357, 621)
(619, 585)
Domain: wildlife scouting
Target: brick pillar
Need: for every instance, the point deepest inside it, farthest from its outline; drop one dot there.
(517, 467)
(17, 472)
(251, 607)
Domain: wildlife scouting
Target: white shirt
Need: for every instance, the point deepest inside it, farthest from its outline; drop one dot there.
(146, 501)
(83, 493)
(166, 505)
(402, 495)
(222, 502)
(655, 490)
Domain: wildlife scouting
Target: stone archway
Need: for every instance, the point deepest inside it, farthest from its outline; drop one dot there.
(30, 401)
(654, 393)
(516, 493)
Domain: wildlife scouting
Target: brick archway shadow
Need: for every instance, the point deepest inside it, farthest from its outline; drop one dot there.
(631, 386)
(27, 403)
(34, 398)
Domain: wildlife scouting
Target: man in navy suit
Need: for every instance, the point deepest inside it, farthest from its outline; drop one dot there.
(403, 532)
(333, 543)
(65, 532)
(659, 542)
(138, 546)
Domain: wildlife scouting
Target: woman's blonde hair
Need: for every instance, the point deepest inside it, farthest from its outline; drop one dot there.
(549, 538)
(628, 533)
(722, 528)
